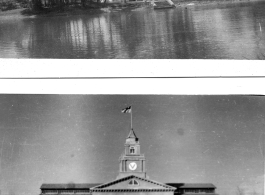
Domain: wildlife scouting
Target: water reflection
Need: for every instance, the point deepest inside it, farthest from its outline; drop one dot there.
(230, 32)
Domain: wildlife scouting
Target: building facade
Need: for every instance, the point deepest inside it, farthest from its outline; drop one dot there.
(132, 179)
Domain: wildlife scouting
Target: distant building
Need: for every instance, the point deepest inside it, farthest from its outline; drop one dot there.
(131, 180)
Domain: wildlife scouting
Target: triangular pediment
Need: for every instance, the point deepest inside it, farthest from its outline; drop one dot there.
(133, 183)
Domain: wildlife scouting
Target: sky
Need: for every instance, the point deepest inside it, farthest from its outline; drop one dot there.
(79, 139)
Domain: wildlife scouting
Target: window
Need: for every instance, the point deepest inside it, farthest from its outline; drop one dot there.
(67, 191)
(133, 182)
(132, 150)
(49, 191)
(191, 190)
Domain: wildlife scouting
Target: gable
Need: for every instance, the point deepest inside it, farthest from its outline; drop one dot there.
(130, 183)
(133, 183)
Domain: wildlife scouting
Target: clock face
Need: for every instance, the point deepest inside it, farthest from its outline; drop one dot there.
(132, 166)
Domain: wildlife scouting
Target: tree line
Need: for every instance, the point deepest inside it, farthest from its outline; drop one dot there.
(61, 4)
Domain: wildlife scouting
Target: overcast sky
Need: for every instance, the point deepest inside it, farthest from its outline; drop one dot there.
(79, 138)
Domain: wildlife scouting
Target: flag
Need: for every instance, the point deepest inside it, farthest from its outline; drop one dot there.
(127, 110)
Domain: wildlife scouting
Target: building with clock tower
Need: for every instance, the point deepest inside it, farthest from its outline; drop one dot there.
(131, 180)
(132, 162)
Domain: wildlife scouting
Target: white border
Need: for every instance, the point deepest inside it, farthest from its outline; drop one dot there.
(36, 68)
(186, 86)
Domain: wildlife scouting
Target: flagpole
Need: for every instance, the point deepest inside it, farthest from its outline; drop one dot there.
(131, 117)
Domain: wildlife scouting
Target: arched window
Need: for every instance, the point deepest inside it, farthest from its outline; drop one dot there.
(132, 150)
(133, 182)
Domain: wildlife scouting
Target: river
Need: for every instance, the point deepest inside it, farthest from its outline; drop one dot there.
(220, 31)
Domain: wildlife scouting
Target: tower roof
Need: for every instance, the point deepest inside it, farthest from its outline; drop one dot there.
(132, 138)
(132, 134)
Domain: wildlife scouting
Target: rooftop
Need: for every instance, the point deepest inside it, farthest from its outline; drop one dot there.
(69, 186)
(191, 185)
(91, 185)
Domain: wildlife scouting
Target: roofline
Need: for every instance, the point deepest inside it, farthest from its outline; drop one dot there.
(203, 185)
(132, 190)
(64, 186)
(184, 187)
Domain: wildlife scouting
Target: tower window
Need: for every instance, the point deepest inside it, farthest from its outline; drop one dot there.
(133, 182)
(132, 150)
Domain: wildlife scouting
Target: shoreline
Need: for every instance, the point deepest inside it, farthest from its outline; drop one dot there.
(109, 7)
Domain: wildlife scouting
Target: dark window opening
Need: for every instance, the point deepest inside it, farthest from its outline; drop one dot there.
(133, 182)
(132, 150)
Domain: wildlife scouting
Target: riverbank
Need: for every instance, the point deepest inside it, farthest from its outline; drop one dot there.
(71, 10)
(26, 13)
(109, 7)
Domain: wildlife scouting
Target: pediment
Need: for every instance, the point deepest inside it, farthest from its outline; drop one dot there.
(133, 183)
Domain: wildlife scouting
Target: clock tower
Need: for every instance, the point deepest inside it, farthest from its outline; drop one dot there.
(132, 162)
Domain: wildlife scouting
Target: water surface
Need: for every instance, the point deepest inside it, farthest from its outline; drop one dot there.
(224, 31)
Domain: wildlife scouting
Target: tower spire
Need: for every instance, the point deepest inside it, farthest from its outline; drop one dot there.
(132, 134)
